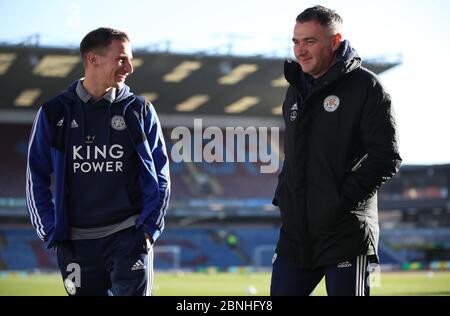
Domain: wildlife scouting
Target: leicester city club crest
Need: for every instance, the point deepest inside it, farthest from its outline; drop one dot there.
(118, 123)
(331, 103)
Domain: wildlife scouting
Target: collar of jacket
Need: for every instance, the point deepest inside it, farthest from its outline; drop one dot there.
(70, 99)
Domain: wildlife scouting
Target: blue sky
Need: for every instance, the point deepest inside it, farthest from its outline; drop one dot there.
(416, 30)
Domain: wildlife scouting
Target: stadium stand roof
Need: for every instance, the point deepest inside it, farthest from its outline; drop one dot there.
(178, 85)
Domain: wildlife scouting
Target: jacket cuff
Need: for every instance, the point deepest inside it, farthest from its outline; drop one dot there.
(153, 232)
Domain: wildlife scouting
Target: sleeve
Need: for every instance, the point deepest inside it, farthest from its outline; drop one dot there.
(38, 180)
(281, 176)
(378, 134)
(154, 134)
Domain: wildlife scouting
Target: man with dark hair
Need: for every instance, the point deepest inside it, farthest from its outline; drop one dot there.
(100, 39)
(340, 147)
(105, 148)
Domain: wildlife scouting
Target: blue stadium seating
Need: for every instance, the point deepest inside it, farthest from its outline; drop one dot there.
(21, 250)
(200, 247)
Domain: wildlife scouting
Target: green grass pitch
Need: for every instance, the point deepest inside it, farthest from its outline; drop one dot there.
(229, 284)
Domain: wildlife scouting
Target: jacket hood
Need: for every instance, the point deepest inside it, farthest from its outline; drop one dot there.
(348, 55)
(347, 60)
(121, 94)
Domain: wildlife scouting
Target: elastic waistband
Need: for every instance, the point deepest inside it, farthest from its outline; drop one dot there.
(100, 232)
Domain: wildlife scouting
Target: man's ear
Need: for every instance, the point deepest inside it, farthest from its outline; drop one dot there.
(336, 41)
(92, 59)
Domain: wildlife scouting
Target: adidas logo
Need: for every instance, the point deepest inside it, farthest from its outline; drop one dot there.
(294, 107)
(139, 265)
(60, 123)
(74, 124)
(344, 264)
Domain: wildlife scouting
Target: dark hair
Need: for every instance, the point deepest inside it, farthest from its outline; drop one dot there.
(100, 38)
(326, 17)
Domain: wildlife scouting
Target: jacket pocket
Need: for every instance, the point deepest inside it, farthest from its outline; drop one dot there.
(323, 206)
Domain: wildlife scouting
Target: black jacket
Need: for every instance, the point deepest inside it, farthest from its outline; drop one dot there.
(340, 147)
